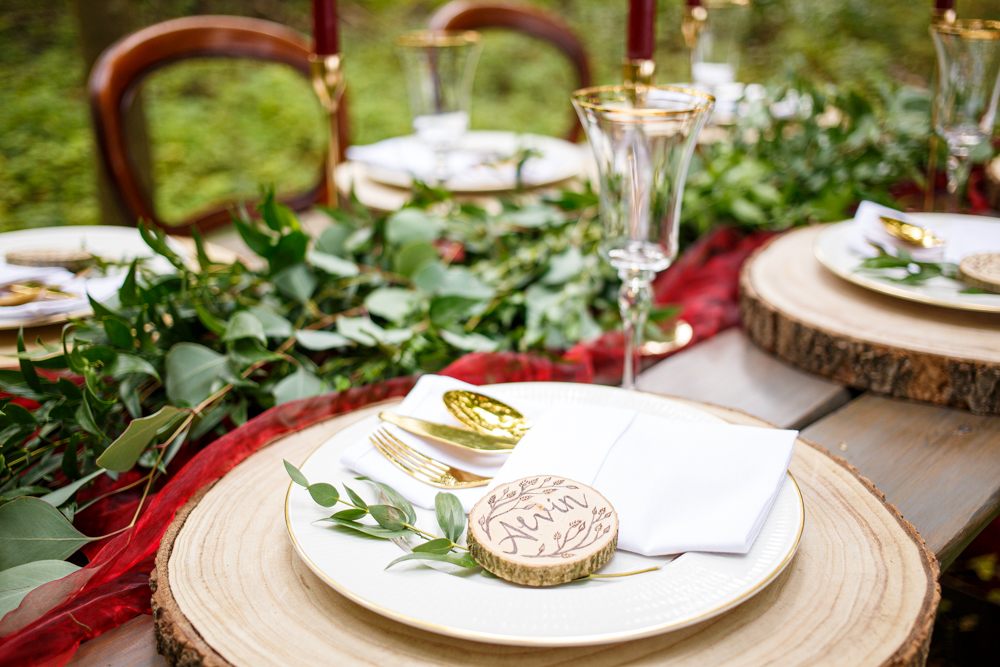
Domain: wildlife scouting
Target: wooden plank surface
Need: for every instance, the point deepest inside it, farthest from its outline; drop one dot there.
(939, 466)
(729, 371)
(129, 645)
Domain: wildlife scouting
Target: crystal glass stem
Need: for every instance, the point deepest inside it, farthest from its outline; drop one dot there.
(635, 298)
(958, 166)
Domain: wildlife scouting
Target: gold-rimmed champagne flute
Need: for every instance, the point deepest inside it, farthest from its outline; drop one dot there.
(439, 66)
(642, 138)
(967, 92)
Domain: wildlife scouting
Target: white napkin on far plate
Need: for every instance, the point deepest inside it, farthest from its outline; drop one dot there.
(101, 289)
(964, 237)
(677, 486)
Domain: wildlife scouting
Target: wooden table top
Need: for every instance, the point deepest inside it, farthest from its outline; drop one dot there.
(939, 466)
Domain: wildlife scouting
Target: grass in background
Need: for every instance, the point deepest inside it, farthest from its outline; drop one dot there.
(220, 129)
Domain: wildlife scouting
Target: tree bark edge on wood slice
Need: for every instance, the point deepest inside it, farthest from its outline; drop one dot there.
(960, 383)
(180, 642)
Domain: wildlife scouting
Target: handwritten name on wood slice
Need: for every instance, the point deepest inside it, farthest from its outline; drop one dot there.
(543, 530)
(982, 271)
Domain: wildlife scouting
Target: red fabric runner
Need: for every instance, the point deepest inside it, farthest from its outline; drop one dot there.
(114, 587)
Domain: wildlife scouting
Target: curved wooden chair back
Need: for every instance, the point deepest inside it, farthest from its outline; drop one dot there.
(463, 15)
(117, 74)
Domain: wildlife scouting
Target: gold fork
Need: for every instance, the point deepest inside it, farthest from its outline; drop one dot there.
(421, 467)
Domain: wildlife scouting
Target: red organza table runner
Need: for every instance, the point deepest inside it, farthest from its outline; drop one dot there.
(114, 587)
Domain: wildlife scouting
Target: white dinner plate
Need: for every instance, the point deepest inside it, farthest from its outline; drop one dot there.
(687, 589)
(560, 160)
(832, 250)
(106, 241)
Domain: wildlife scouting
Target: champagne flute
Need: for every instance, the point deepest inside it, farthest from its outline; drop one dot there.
(967, 91)
(439, 67)
(643, 138)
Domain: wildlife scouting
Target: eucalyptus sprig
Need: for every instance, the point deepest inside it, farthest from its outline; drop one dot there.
(903, 269)
(395, 519)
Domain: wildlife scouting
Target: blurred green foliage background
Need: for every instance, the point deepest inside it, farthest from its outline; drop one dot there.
(220, 128)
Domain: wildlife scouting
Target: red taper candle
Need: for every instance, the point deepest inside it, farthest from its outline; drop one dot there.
(641, 29)
(944, 5)
(325, 27)
(694, 3)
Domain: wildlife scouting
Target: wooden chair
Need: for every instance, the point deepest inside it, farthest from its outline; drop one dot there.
(463, 15)
(116, 76)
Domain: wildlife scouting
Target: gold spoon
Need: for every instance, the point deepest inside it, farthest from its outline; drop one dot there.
(486, 415)
(913, 234)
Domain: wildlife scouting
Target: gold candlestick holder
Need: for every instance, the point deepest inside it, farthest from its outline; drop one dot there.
(638, 71)
(328, 82)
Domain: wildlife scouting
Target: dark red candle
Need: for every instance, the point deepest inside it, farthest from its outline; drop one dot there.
(694, 3)
(325, 31)
(641, 29)
(944, 5)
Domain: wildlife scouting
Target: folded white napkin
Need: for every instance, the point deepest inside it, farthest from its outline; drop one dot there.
(677, 486)
(99, 288)
(964, 237)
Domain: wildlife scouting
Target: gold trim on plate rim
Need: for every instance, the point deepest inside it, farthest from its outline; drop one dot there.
(879, 287)
(541, 641)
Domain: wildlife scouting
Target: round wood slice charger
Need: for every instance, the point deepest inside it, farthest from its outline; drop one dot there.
(542, 531)
(982, 271)
(229, 589)
(794, 307)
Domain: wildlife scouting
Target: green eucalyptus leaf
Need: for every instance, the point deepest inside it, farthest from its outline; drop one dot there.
(350, 515)
(324, 494)
(357, 500)
(61, 495)
(85, 418)
(430, 277)
(258, 241)
(331, 240)
(28, 372)
(318, 341)
(392, 303)
(33, 530)
(459, 281)
(191, 372)
(374, 531)
(127, 364)
(128, 293)
(448, 311)
(119, 333)
(333, 265)
(206, 317)
(244, 325)
(440, 545)
(296, 474)
(300, 384)
(411, 225)
(123, 453)
(471, 342)
(275, 326)
(450, 515)
(297, 282)
(388, 516)
(19, 415)
(412, 257)
(462, 560)
(17, 582)
(394, 498)
(564, 267)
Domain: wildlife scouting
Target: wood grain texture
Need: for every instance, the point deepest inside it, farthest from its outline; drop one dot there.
(939, 466)
(230, 589)
(792, 306)
(730, 371)
(129, 645)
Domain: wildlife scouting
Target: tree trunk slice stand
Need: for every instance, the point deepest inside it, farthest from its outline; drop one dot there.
(580, 538)
(230, 590)
(795, 308)
(982, 271)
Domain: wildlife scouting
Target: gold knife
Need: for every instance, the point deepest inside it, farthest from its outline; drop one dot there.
(450, 435)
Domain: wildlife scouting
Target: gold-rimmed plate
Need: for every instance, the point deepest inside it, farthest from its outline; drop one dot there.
(686, 590)
(833, 250)
(109, 242)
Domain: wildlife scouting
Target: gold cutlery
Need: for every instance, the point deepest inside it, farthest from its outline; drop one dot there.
(486, 415)
(19, 294)
(450, 435)
(423, 468)
(912, 234)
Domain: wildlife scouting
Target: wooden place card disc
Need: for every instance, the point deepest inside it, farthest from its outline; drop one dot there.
(982, 271)
(71, 260)
(543, 531)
